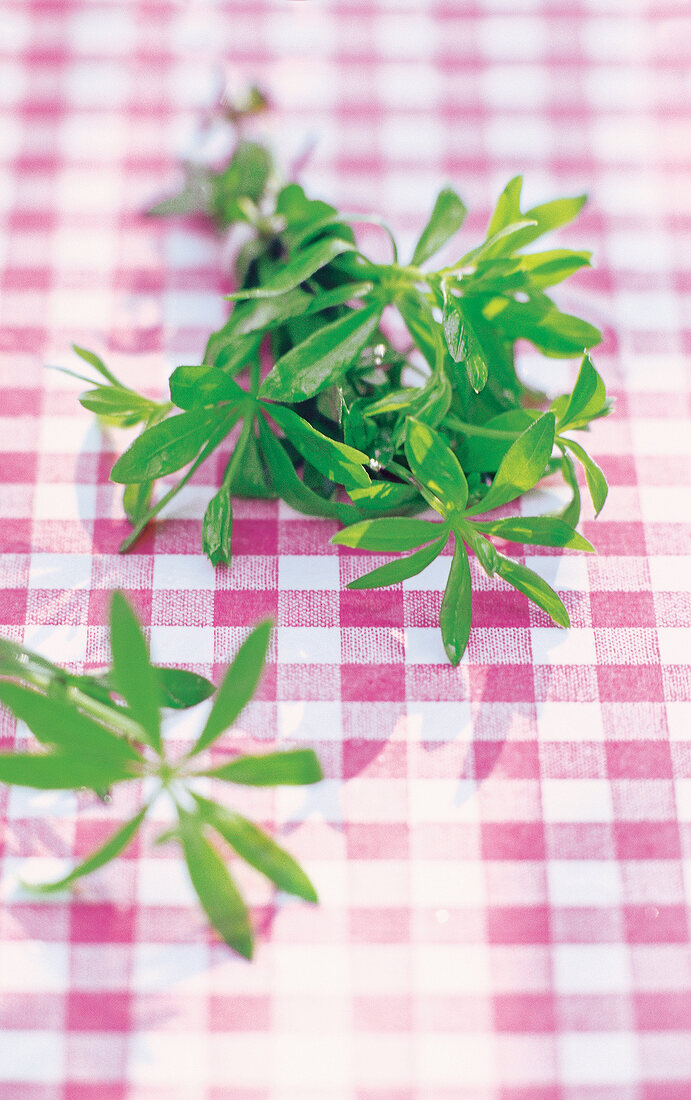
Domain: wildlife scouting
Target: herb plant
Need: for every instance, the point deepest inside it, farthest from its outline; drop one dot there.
(99, 730)
(350, 425)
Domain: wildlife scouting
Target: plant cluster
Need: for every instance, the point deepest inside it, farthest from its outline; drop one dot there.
(102, 729)
(350, 426)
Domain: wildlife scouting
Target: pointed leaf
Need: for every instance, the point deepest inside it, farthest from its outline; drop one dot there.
(538, 530)
(298, 269)
(96, 362)
(534, 587)
(215, 887)
(181, 688)
(335, 460)
(586, 400)
(388, 534)
(56, 722)
(522, 466)
(60, 771)
(292, 768)
(167, 446)
(456, 610)
(549, 216)
(112, 848)
(217, 528)
(463, 344)
(258, 849)
(135, 678)
(116, 403)
(446, 219)
(323, 358)
(383, 497)
(508, 208)
(484, 550)
(289, 486)
(238, 686)
(596, 480)
(501, 243)
(485, 445)
(549, 268)
(403, 568)
(572, 512)
(555, 334)
(195, 387)
(435, 466)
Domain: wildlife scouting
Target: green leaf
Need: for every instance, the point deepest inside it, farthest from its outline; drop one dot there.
(435, 466)
(96, 362)
(112, 848)
(135, 678)
(463, 344)
(484, 445)
(59, 771)
(508, 208)
(403, 568)
(223, 428)
(549, 216)
(292, 768)
(54, 721)
(248, 477)
(254, 846)
(136, 500)
(217, 528)
(244, 178)
(229, 351)
(267, 313)
(384, 497)
(321, 359)
(456, 611)
(522, 466)
(180, 688)
(238, 686)
(587, 398)
(335, 460)
(288, 485)
(298, 269)
(572, 512)
(386, 535)
(501, 243)
(167, 446)
(538, 530)
(546, 217)
(194, 387)
(446, 219)
(270, 312)
(533, 586)
(595, 479)
(484, 550)
(555, 334)
(16, 660)
(215, 888)
(549, 268)
(429, 406)
(420, 322)
(116, 403)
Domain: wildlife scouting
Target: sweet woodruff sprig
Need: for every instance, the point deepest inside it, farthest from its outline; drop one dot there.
(328, 428)
(95, 731)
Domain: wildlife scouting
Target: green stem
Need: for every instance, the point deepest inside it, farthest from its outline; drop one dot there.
(110, 717)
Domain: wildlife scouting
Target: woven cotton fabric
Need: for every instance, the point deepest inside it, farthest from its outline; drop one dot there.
(502, 850)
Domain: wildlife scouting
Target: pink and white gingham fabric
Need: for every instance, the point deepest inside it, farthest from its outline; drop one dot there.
(503, 851)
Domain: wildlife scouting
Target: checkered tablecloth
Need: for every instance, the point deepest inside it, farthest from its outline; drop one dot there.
(503, 850)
